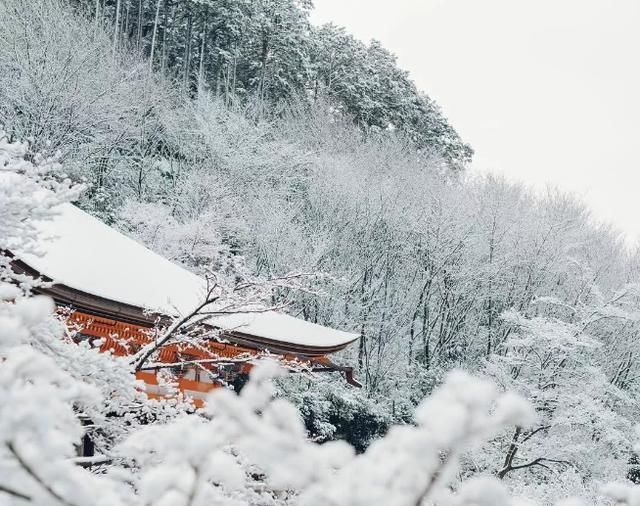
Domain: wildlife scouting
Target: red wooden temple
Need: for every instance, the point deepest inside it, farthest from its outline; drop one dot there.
(119, 294)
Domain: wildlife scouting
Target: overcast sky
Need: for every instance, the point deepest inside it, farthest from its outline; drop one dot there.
(544, 90)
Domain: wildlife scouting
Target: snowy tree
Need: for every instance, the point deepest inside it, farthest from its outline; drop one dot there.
(581, 426)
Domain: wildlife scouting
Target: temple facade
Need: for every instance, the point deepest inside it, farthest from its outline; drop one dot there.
(120, 296)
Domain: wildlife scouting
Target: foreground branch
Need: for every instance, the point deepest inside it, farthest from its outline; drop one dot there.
(151, 348)
(29, 470)
(14, 493)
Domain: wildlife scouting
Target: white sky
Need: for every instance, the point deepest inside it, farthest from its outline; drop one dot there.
(546, 91)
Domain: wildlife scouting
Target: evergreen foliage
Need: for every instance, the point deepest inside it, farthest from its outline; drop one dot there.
(267, 53)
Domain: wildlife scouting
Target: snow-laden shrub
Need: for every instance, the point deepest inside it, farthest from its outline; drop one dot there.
(332, 410)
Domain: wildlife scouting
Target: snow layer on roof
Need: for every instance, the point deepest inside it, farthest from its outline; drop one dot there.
(83, 253)
(282, 327)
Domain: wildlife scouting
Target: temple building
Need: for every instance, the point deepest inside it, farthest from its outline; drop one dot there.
(118, 294)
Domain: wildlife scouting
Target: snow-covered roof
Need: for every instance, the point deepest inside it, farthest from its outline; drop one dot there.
(282, 327)
(82, 253)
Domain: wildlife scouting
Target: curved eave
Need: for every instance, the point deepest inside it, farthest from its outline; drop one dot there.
(282, 347)
(99, 306)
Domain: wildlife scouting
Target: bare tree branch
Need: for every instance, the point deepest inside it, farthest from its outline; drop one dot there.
(14, 493)
(141, 357)
(29, 470)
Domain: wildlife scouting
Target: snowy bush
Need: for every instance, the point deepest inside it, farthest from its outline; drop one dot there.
(332, 410)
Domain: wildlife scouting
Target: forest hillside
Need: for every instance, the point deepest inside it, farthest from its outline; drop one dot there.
(236, 133)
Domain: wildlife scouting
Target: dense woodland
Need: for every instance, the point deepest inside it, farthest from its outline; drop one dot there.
(217, 129)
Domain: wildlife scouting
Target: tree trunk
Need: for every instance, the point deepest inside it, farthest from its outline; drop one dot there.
(218, 78)
(414, 318)
(116, 33)
(165, 27)
(330, 79)
(139, 34)
(202, 49)
(125, 29)
(97, 15)
(490, 302)
(187, 54)
(426, 335)
(263, 62)
(507, 466)
(155, 32)
(234, 75)
(362, 349)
